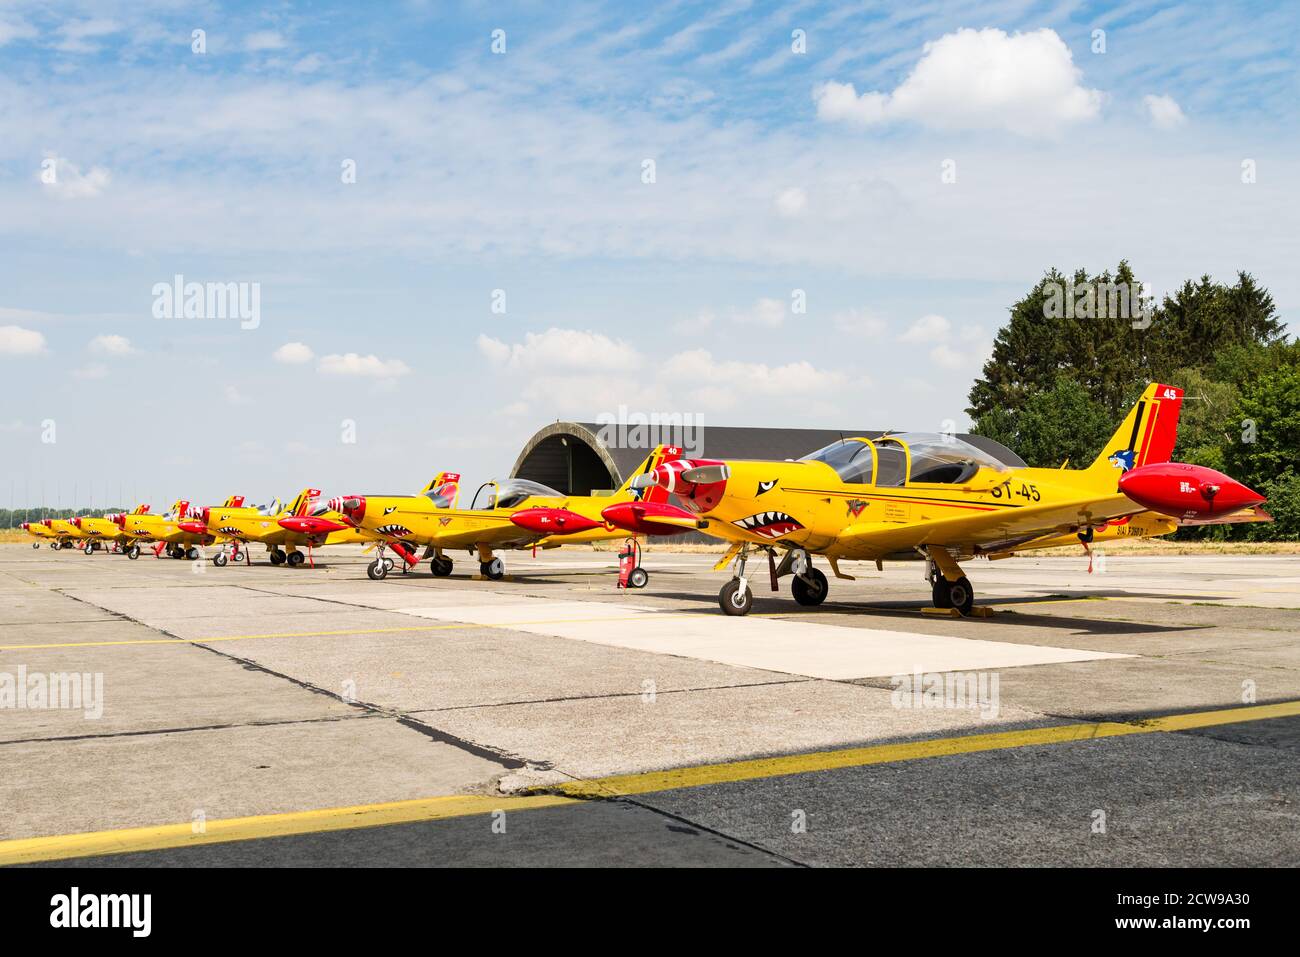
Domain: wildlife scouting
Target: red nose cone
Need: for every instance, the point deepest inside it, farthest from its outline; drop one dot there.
(47, 523)
(193, 528)
(641, 517)
(553, 521)
(1186, 491)
(308, 525)
(120, 520)
(26, 525)
(76, 522)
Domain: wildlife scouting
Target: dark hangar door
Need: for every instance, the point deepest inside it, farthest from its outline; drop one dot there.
(567, 464)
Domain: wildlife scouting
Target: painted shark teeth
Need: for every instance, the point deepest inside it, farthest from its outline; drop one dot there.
(397, 531)
(769, 524)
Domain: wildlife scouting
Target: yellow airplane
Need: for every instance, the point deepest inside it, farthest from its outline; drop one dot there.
(40, 532)
(101, 532)
(305, 524)
(64, 533)
(516, 513)
(934, 495)
(179, 531)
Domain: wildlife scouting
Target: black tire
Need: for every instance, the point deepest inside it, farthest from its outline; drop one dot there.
(733, 600)
(277, 557)
(810, 593)
(493, 570)
(220, 559)
(958, 594)
(133, 552)
(377, 570)
(440, 567)
(36, 544)
(192, 553)
(638, 578)
(296, 559)
(88, 548)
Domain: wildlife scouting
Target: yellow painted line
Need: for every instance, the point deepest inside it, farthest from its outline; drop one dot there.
(162, 837)
(65, 846)
(733, 771)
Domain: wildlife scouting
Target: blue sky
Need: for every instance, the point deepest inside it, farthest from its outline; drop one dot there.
(797, 148)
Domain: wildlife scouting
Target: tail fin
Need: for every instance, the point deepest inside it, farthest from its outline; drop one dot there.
(141, 510)
(1147, 435)
(235, 501)
(181, 508)
(664, 453)
(443, 489)
(303, 501)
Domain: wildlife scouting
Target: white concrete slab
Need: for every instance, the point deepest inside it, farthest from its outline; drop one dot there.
(791, 647)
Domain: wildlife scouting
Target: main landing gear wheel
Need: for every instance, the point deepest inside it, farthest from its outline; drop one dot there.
(277, 557)
(440, 567)
(177, 552)
(494, 570)
(192, 553)
(378, 570)
(36, 544)
(958, 594)
(811, 588)
(388, 565)
(638, 577)
(219, 559)
(736, 598)
(89, 549)
(133, 552)
(296, 559)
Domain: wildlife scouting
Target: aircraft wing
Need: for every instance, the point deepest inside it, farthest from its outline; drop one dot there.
(984, 529)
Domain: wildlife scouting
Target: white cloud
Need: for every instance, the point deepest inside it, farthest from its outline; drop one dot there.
(111, 345)
(78, 34)
(765, 312)
(17, 341)
(1164, 111)
(11, 30)
(977, 79)
(233, 396)
(791, 202)
(293, 353)
(560, 349)
(371, 366)
(71, 183)
(951, 348)
(264, 40)
(309, 64)
(927, 329)
(859, 322)
(709, 383)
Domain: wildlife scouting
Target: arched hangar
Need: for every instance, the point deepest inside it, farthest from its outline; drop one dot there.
(570, 457)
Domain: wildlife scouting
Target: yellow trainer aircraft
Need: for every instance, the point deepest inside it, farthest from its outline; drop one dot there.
(934, 495)
(41, 533)
(179, 531)
(515, 513)
(102, 532)
(306, 524)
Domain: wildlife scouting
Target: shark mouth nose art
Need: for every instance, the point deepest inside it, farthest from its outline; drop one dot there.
(769, 524)
(397, 531)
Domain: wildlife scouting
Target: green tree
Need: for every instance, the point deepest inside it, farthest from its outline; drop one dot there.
(1063, 422)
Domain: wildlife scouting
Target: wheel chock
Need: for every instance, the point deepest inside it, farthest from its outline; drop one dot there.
(979, 611)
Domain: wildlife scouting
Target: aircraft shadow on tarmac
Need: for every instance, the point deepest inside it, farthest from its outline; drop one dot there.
(912, 610)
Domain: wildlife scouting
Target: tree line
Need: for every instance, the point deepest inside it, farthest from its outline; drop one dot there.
(1066, 369)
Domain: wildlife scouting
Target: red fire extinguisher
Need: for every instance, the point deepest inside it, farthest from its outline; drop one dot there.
(630, 572)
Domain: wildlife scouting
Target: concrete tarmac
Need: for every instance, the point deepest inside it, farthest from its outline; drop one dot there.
(278, 695)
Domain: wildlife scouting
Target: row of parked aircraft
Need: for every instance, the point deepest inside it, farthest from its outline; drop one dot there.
(905, 495)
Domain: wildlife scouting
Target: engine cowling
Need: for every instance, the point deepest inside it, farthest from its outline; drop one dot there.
(1187, 491)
